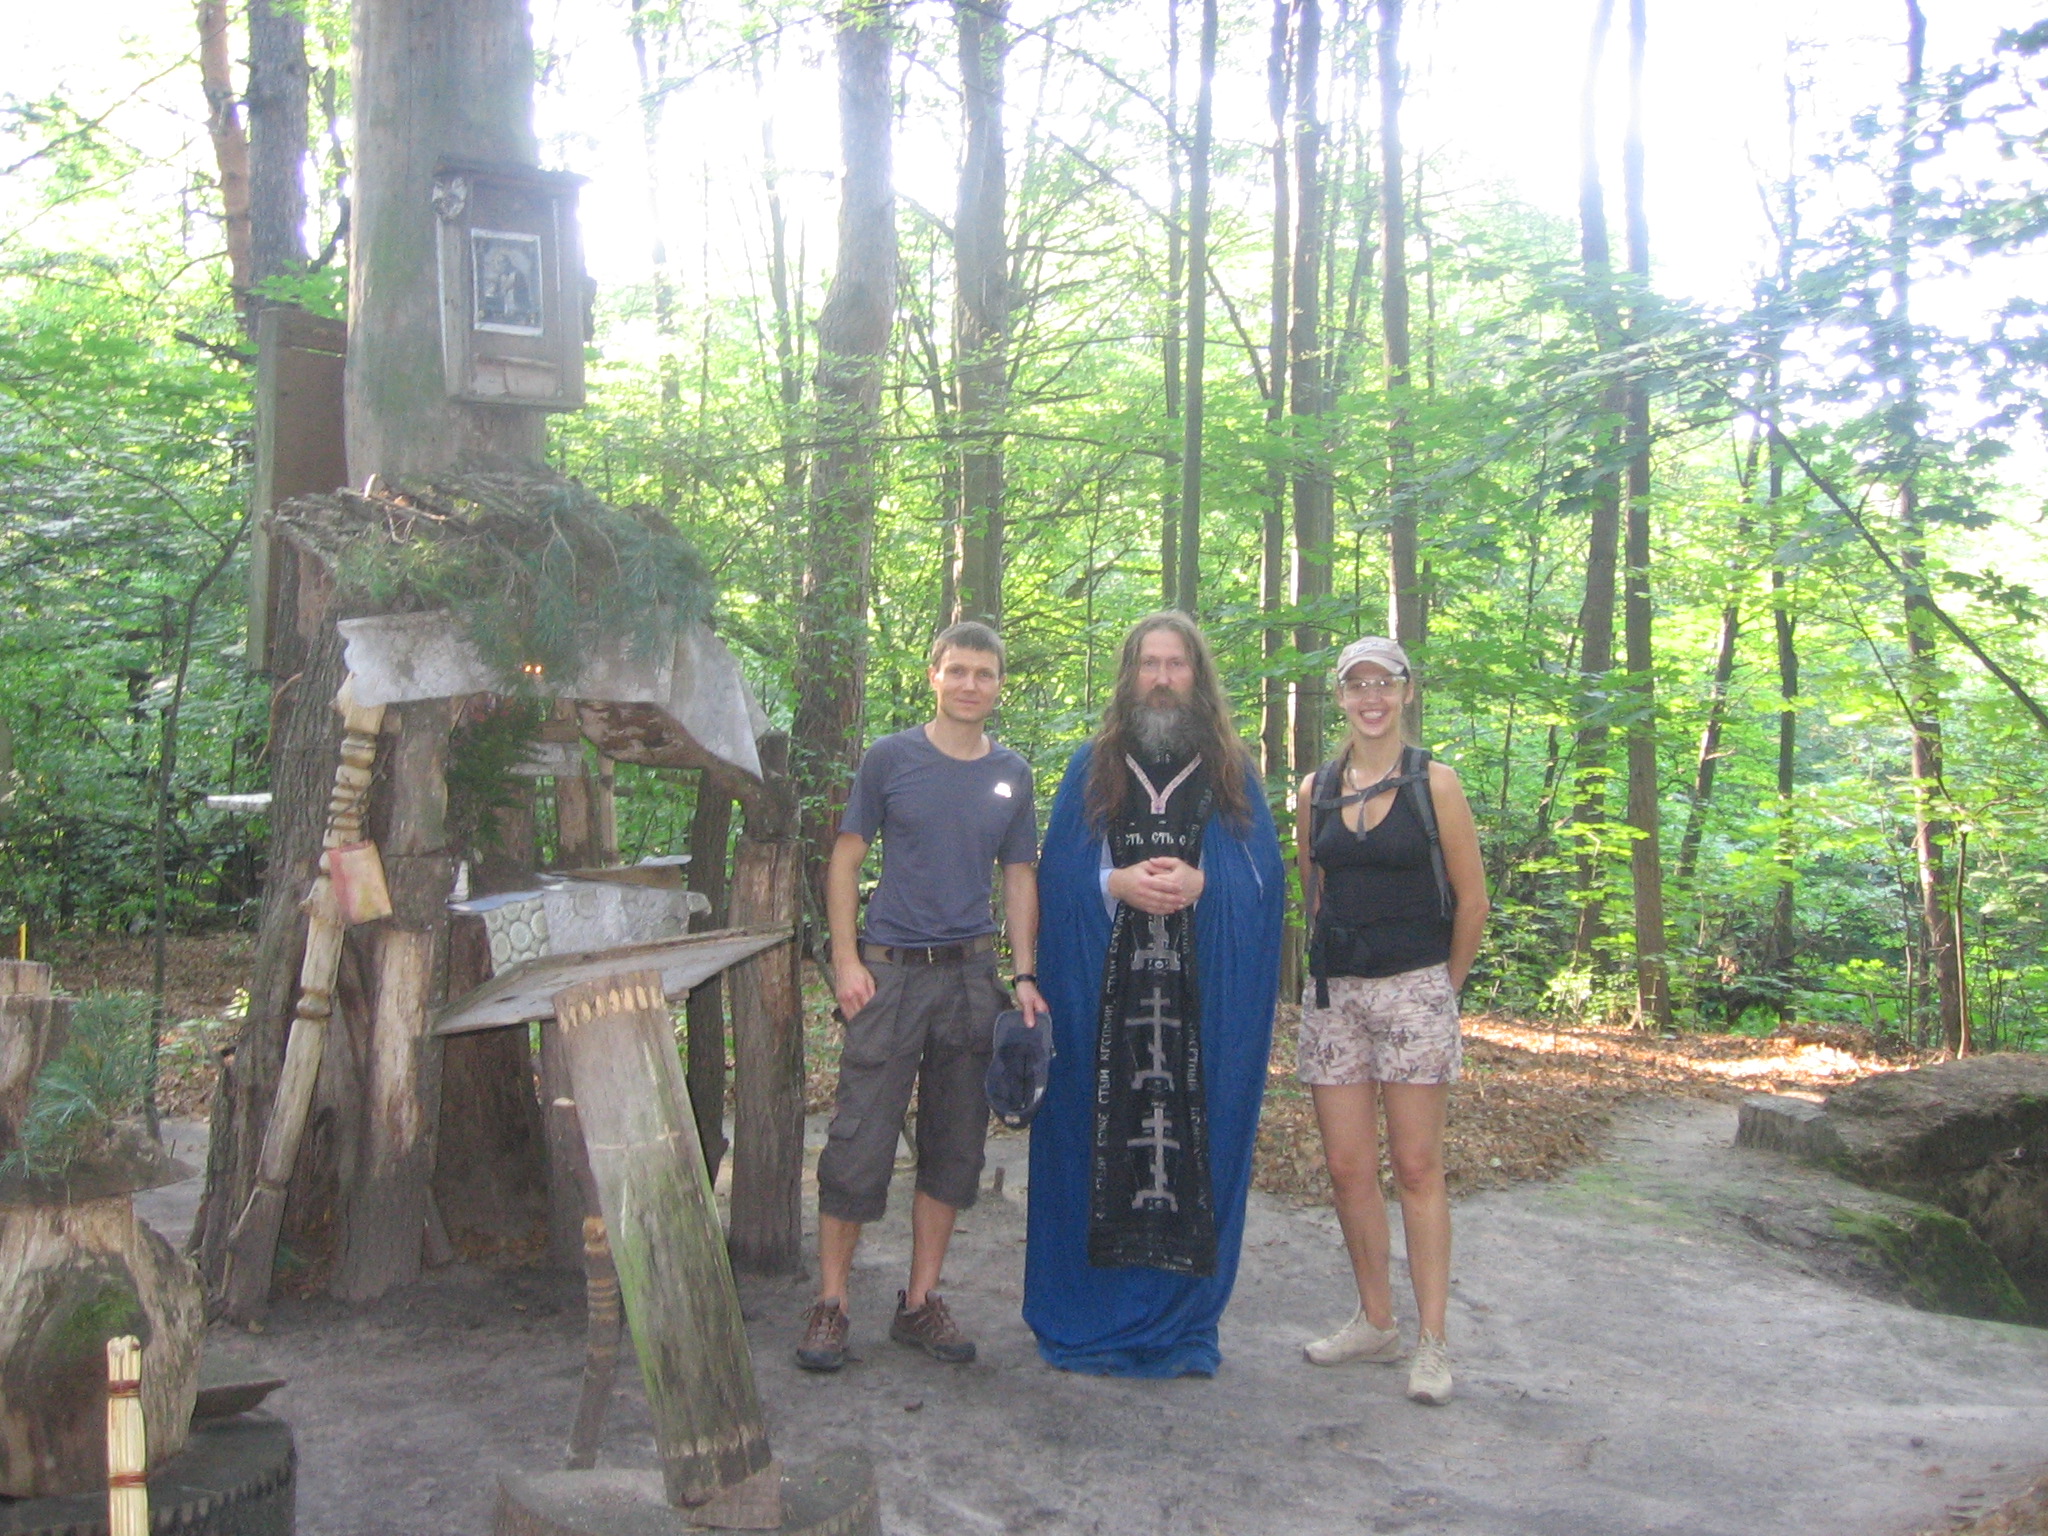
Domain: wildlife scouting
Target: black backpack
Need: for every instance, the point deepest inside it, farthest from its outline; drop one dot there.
(1326, 799)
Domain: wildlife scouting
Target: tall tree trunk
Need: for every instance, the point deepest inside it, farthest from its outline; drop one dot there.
(1188, 597)
(1406, 619)
(1783, 620)
(277, 139)
(230, 146)
(1176, 292)
(1596, 612)
(304, 747)
(1646, 859)
(1709, 759)
(853, 335)
(1899, 366)
(1314, 492)
(1273, 524)
(789, 378)
(1783, 910)
(434, 80)
(981, 314)
(648, 33)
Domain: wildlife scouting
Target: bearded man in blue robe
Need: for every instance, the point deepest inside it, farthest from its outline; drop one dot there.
(1161, 895)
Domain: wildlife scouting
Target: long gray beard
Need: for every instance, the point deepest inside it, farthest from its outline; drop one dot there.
(1167, 732)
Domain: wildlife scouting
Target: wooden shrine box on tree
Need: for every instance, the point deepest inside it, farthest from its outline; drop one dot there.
(512, 285)
(299, 447)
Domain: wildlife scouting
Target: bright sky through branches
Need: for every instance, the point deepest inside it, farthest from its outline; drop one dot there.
(1494, 101)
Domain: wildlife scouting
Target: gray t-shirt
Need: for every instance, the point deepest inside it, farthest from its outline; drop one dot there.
(944, 825)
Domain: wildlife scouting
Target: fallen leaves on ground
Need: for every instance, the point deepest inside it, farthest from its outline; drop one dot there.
(1534, 1100)
(2026, 1515)
(204, 974)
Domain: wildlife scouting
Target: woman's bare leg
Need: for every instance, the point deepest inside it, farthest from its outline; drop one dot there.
(1351, 1146)
(1415, 1143)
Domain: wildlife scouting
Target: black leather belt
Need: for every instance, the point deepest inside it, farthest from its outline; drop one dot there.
(930, 954)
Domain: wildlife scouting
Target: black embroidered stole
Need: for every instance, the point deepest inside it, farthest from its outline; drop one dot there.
(1150, 1201)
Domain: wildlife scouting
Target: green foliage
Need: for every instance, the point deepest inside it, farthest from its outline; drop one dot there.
(96, 1081)
(482, 752)
(122, 448)
(539, 572)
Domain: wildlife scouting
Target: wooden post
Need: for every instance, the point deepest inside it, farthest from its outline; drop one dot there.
(710, 830)
(252, 1247)
(604, 812)
(387, 1210)
(575, 825)
(564, 1151)
(768, 1064)
(681, 1303)
(602, 1317)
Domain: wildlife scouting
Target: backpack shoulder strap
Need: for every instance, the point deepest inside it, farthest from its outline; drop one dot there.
(1324, 796)
(1415, 770)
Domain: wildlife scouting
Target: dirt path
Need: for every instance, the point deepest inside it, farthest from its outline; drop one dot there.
(1631, 1359)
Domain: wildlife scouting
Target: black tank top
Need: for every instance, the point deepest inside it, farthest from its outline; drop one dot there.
(1381, 890)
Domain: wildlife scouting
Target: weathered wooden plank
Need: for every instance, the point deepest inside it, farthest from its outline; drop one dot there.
(768, 1068)
(662, 1221)
(526, 991)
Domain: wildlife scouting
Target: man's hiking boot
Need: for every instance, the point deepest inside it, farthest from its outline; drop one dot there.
(1429, 1378)
(931, 1328)
(1356, 1340)
(824, 1343)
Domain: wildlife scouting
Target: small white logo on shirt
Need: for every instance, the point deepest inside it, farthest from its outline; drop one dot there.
(1003, 788)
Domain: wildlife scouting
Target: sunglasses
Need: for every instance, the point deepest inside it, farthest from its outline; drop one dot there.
(1357, 687)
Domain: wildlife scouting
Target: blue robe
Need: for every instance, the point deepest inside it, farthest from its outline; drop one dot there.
(1132, 1321)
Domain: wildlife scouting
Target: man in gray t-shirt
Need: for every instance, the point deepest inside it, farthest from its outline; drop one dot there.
(918, 986)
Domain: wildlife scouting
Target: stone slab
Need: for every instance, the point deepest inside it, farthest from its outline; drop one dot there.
(1779, 1123)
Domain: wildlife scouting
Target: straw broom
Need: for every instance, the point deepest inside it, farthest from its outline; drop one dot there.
(127, 1448)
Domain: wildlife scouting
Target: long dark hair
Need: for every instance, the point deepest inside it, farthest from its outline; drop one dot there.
(1215, 735)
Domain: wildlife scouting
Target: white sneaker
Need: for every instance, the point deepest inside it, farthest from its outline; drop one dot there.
(1429, 1378)
(1356, 1340)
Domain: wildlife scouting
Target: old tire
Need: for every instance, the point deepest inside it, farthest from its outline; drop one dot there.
(235, 1477)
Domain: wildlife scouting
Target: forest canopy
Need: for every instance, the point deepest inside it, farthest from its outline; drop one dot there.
(1673, 387)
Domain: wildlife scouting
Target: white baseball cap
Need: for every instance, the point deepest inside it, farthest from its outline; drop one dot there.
(1374, 648)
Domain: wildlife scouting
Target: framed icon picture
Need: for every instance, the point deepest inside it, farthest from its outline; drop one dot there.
(508, 282)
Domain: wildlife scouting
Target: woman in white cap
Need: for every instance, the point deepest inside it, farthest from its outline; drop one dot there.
(1396, 898)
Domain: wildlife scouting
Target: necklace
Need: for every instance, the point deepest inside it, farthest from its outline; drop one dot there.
(1354, 777)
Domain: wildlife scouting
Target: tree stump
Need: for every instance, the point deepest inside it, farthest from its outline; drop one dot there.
(71, 1277)
(33, 1027)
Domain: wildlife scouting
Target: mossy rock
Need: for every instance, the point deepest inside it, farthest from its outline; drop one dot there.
(1944, 1264)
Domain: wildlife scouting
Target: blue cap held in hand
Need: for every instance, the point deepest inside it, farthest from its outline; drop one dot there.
(1017, 1071)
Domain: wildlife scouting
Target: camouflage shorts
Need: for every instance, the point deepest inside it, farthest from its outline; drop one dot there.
(1381, 1029)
